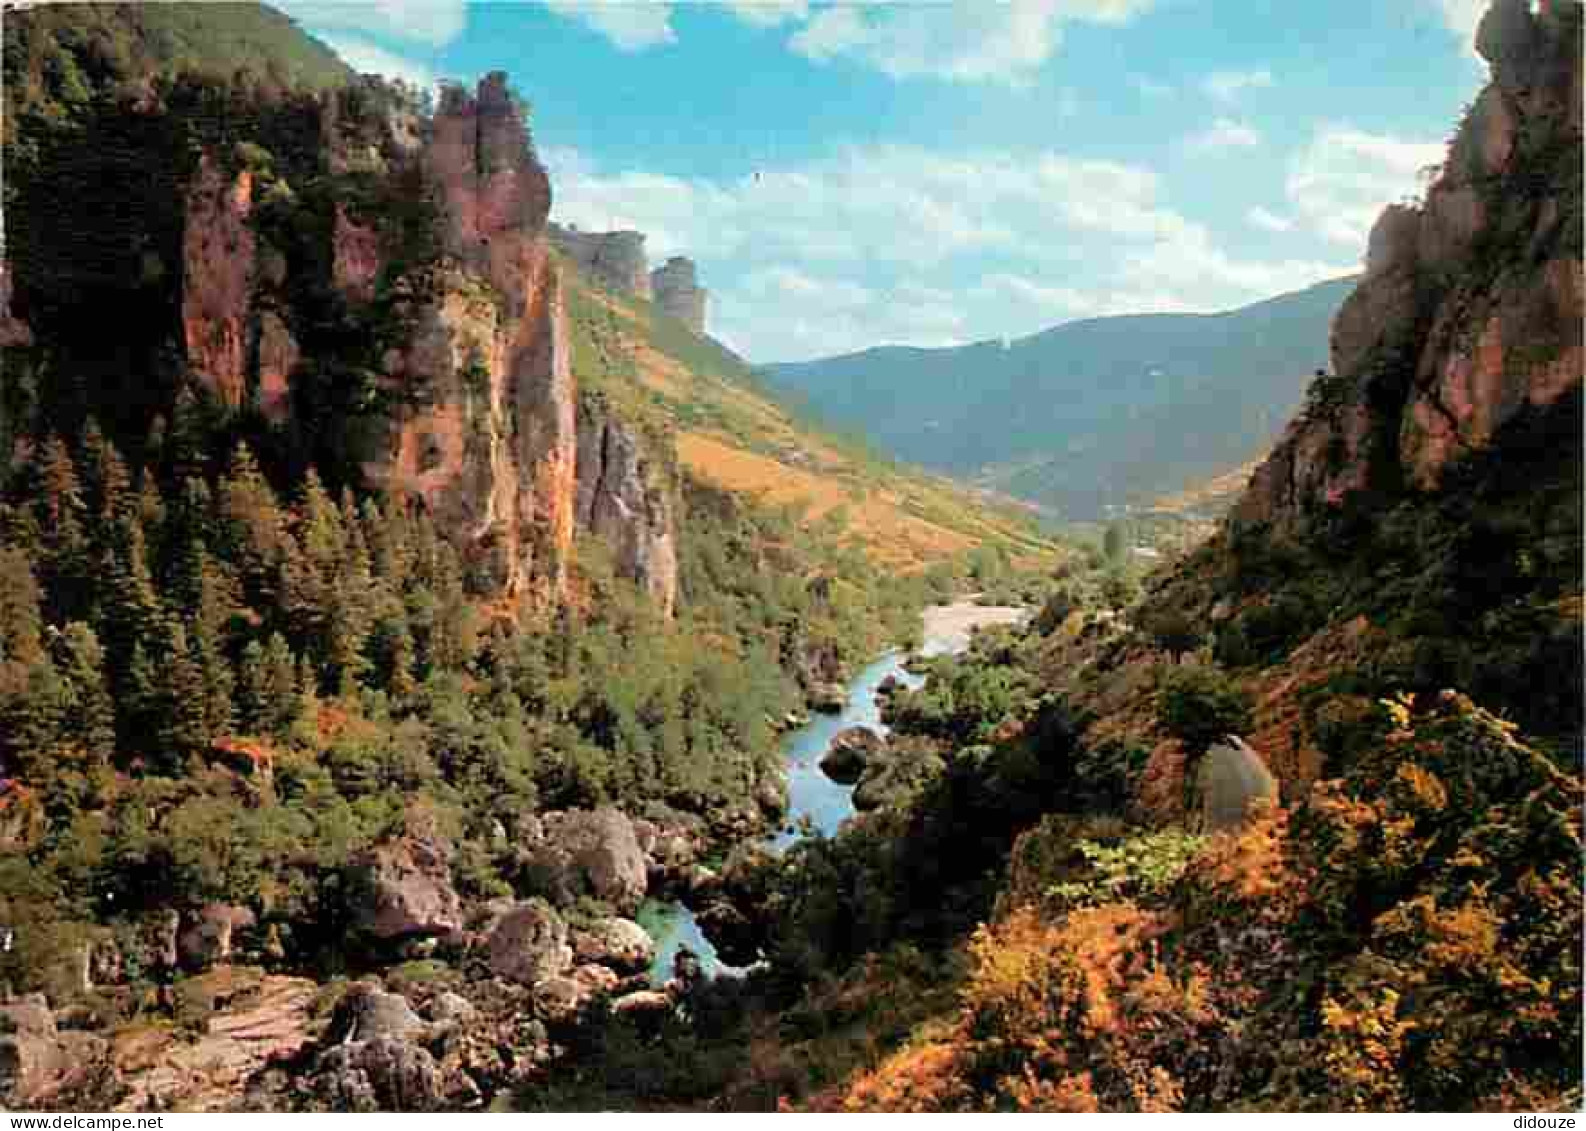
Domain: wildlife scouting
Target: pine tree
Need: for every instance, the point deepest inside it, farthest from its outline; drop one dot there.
(92, 720)
(307, 684)
(183, 728)
(186, 438)
(131, 613)
(1114, 543)
(319, 526)
(252, 529)
(252, 704)
(106, 481)
(65, 564)
(21, 620)
(280, 698)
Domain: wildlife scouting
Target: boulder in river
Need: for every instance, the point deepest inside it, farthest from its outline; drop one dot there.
(844, 761)
(894, 774)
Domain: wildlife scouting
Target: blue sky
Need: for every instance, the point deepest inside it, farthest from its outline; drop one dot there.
(938, 172)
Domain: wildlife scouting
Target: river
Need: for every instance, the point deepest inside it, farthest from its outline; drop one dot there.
(811, 794)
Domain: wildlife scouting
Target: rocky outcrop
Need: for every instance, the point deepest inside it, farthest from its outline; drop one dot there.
(627, 498)
(675, 285)
(1470, 310)
(253, 1021)
(355, 263)
(238, 346)
(585, 852)
(529, 944)
(207, 934)
(844, 761)
(613, 260)
(38, 1061)
(618, 943)
(403, 889)
(486, 432)
(366, 1013)
(383, 1074)
(218, 249)
(1233, 781)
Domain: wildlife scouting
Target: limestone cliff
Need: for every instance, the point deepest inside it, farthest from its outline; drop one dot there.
(678, 293)
(484, 428)
(475, 414)
(613, 260)
(626, 498)
(1470, 309)
(217, 285)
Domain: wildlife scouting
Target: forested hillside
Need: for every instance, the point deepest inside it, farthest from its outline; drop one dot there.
(1088, 414)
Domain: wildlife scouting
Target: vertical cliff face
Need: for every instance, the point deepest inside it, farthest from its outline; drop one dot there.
(627, 500)
(613, 260)
(1470, 309)
(217, 286)
(678, 293)
(238, 348)
(486, 433)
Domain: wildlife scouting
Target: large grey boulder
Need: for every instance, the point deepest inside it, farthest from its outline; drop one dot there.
(618, 943)
(587, 852)
(1233, 778)
(367, 1012)
(529, 944)
(403, 888)
(383, 1074)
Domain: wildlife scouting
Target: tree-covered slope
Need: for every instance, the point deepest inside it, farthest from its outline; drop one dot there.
(1103, 411)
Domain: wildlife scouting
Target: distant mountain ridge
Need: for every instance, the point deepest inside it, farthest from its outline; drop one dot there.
(1089, 413)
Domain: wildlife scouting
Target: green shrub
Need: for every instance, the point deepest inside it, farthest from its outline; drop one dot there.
(1199, 705)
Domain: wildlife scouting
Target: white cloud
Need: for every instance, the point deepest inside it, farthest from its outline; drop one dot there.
(906, 244)
(631, 25)
(957, 40)
(1463, 17)
(768, 13)
(366, 58)
(1046, 302)
(1340, 182)
(1150, 87)
(1227, 86)
(1191, 266)
(432, 22)
(1269, 221)
(1224, 134)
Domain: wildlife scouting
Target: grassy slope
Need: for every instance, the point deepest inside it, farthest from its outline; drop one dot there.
(732, 433)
